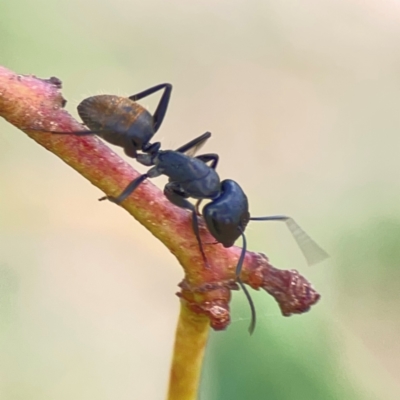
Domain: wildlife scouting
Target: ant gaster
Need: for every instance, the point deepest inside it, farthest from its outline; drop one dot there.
(226, 215)
(123, 122)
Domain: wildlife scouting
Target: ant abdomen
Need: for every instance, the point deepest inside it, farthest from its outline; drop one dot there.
(116, 119)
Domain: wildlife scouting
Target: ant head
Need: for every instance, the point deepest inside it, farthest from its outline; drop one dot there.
(227, 215)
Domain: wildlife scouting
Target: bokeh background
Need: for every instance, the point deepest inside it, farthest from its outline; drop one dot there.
(302, 98)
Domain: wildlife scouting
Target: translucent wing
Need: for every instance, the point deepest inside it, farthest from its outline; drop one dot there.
(313, 253)
(191, 148)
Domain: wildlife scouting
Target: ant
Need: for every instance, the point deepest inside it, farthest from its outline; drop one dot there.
(226, 215)
(123, 122)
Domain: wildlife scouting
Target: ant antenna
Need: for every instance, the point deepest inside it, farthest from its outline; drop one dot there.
(312, 252)
(243, 287)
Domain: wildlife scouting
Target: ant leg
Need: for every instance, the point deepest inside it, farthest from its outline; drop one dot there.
(214, 158)
(151, 173)
(175, 196)
(312, 252)
(161, 109)
(194, 145)
(197, 205)
(76, 133)
(127, 191)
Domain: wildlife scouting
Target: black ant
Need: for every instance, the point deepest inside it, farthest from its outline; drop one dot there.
(226, 215)
(123, 122)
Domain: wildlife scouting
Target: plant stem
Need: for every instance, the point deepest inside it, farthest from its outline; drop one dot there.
(190, 342)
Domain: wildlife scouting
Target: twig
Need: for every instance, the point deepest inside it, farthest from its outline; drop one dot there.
(29, 102)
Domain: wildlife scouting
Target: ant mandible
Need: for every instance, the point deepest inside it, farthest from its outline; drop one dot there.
(226, 215)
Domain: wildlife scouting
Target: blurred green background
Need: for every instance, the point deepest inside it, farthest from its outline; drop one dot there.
(302, 98)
